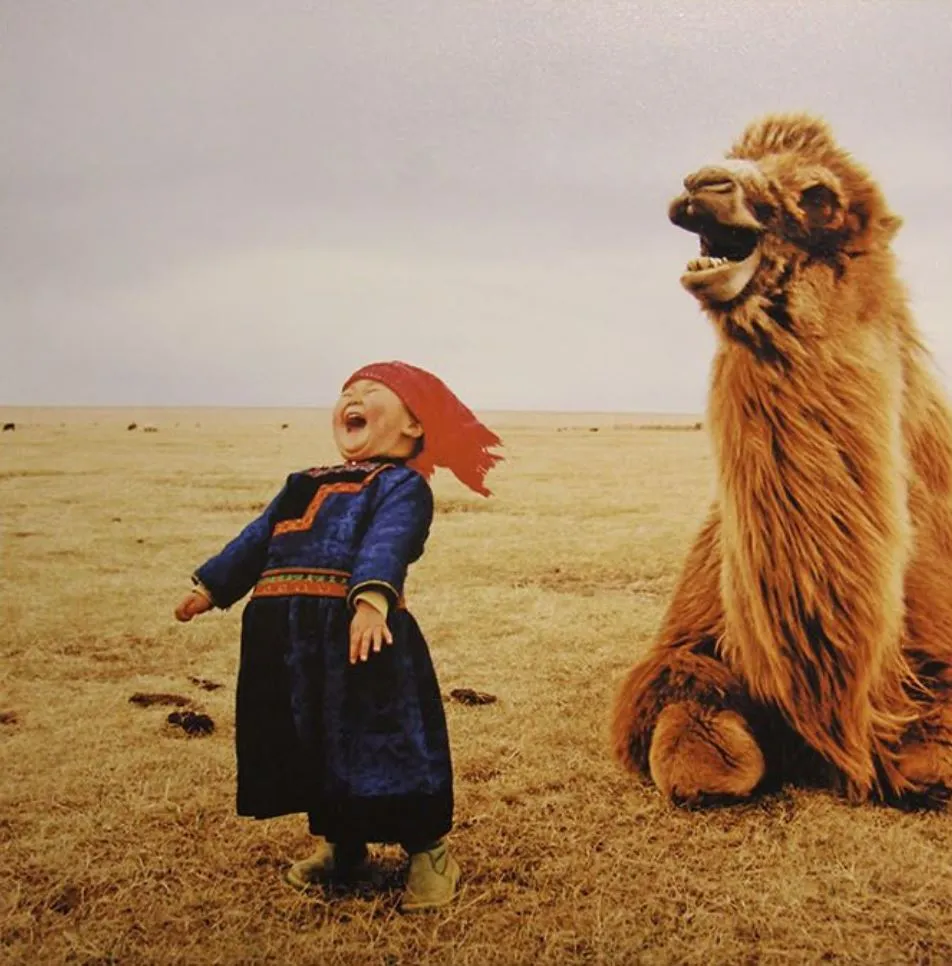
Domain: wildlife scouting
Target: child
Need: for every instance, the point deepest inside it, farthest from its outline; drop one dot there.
(338, 708)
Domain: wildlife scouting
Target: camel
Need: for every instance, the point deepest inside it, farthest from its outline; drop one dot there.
(809, 635)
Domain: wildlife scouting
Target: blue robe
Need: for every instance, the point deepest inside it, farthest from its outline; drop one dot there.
(363, 748)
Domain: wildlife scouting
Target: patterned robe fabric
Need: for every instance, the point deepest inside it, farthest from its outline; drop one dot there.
(363, 748)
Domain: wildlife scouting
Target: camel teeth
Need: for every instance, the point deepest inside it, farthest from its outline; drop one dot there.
(705, 262)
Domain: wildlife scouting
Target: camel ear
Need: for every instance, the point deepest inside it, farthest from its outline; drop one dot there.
(889, 225)
(821, 207)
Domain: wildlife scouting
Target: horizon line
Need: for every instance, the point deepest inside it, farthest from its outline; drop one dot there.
(658, 412)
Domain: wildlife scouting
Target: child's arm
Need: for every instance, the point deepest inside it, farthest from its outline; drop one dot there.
(230, 574)
(394, 539)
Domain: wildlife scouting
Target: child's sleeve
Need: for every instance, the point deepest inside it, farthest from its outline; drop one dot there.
(230, 574)
(394, 539)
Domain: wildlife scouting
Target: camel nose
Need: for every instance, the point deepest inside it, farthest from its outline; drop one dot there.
(681, 211)
(710, 178)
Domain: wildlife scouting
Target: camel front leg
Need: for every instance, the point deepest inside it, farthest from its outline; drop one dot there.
(926, 763)
(921, 772)
(681, 715)
(684, 718)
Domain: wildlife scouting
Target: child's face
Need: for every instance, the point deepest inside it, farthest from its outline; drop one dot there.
(371, 420)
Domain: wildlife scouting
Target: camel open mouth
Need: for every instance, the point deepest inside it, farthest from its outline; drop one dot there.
(725, 243)
(729, 257)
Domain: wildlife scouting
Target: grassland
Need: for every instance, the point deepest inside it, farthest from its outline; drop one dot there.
(118, 839)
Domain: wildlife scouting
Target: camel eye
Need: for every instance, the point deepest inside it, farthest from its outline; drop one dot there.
(819, 204)
(818, 194)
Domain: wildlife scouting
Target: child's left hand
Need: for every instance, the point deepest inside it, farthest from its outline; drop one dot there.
(368, 630)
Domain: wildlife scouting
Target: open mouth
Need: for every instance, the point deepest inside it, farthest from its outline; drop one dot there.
(721, 244)
(354, 421)
(729, 257)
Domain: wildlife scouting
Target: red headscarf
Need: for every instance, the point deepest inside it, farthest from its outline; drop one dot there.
(453, 436)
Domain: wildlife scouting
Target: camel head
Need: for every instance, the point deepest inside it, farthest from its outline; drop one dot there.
(786, 200)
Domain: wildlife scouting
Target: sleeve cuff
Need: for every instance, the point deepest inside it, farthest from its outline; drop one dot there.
(376, 587)
(199, 588)
(376, 600)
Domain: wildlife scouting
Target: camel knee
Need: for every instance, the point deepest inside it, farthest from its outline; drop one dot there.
(700, 755)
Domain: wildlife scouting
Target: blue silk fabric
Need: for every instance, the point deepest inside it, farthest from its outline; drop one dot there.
(363, 749)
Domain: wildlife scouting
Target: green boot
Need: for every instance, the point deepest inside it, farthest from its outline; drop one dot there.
(431, 882)
(329, 861)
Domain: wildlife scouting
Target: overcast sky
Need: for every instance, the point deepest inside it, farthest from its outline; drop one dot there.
(237, 202)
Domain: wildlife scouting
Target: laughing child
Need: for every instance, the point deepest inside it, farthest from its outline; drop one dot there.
(339, 712)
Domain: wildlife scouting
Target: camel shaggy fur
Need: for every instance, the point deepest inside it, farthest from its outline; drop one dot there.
(809, 637)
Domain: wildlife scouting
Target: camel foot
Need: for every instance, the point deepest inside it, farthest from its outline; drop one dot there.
(927, 765)
(704, 756)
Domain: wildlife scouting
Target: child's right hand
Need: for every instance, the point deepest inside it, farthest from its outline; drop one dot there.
(192, 605)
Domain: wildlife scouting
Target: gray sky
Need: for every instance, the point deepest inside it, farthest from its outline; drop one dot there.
(237, 202)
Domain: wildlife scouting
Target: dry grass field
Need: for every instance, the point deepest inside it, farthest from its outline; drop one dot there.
(118, 837)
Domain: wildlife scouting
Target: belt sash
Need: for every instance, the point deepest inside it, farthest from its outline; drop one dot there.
(305, 581)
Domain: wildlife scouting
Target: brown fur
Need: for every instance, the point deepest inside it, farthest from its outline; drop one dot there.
(816, 602)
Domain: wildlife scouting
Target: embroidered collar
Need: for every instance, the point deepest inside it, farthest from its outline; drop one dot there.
(357, 466)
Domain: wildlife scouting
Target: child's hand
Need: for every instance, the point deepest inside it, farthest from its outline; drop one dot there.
(368, 629)
(192, 605)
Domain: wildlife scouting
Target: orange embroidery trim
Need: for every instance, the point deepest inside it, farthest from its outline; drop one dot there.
(311, 582)
(306, 521)
(307, 588)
